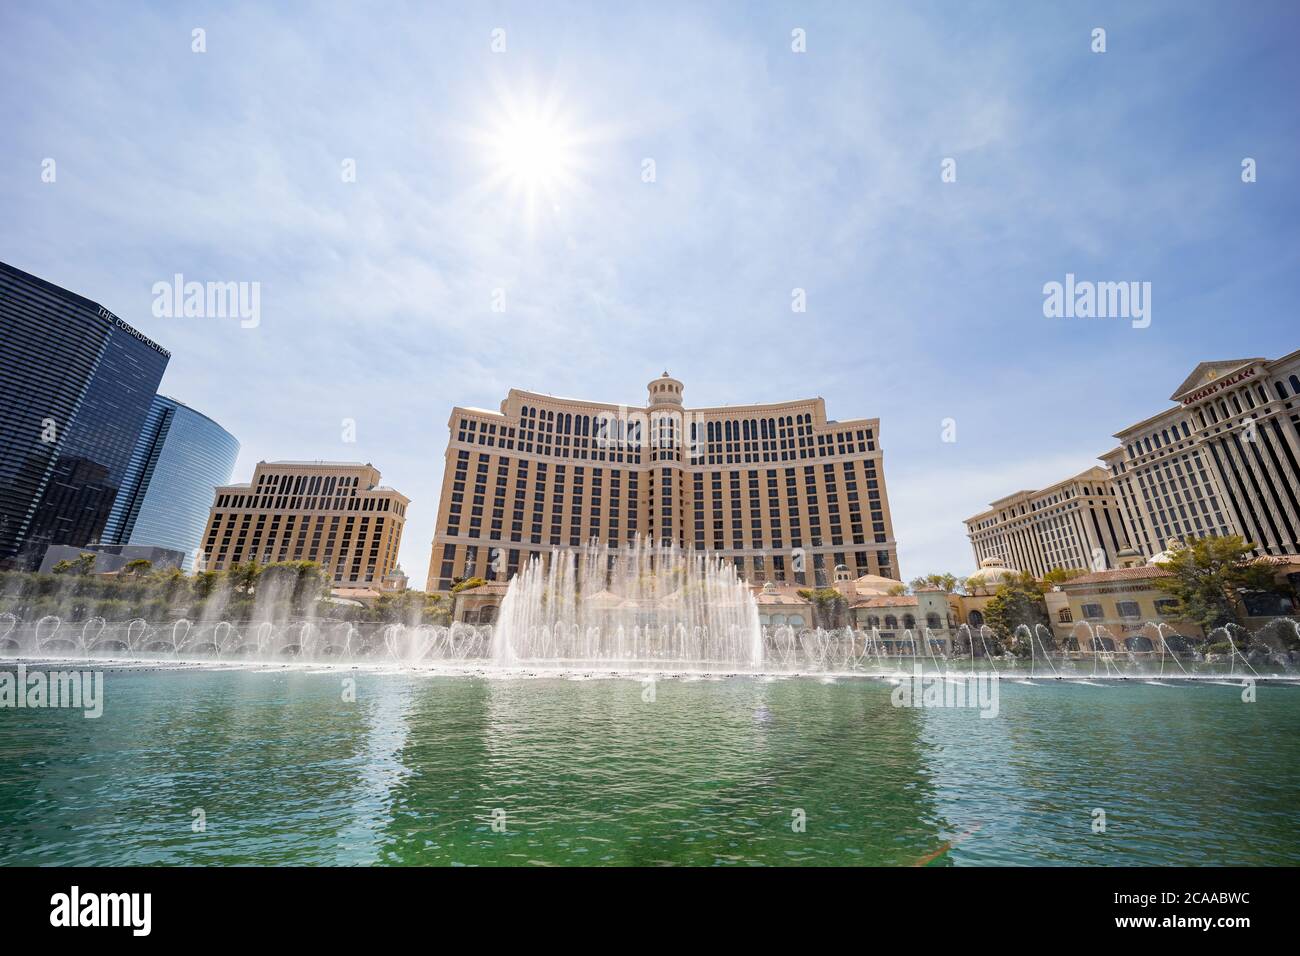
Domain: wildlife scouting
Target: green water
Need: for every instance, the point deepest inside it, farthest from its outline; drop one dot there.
(589, 772)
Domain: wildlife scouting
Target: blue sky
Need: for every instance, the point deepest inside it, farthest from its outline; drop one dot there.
(774, 170)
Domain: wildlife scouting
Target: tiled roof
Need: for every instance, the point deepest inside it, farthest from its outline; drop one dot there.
(791, 599)
(902, 600)
(1279, 559)
(1147, 571)
(778, 594)
(1118, 574)
(491, 587)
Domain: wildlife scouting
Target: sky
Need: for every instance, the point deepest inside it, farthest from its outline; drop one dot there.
(501, 228)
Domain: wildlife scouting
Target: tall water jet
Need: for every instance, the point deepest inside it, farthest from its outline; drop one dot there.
(642, 606)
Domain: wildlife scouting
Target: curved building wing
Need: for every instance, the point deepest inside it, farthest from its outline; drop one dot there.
(181, 458)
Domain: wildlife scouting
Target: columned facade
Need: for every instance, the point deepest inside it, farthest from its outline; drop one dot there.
(1075, 523)
(779, 489)
(1224, 460)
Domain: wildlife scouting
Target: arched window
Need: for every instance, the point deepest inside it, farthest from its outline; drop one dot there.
(975, 619)
(909, 622)
(932, 621)
(796, 620)
(873, 620)
(891, 622)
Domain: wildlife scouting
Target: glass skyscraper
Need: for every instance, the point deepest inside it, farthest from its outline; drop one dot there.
(178, 462)
(76, 386)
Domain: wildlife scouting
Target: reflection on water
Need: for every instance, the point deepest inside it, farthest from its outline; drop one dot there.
(592, 772)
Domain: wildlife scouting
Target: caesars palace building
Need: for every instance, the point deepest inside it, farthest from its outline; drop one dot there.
(1222, 459)
(780, 490)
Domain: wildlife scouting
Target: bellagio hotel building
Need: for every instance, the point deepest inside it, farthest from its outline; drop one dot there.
(335, 513)
(780, 490)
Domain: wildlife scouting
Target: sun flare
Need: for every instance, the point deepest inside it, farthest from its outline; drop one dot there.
(536, 157)
(533, 152)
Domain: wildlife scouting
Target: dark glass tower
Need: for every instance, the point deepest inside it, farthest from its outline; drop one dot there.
(180, 459)
(76, 384)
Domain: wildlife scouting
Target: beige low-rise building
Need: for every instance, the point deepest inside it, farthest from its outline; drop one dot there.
(1120, 609)
(871, 604)
(981, 587)
(780, 490)
(333, 513)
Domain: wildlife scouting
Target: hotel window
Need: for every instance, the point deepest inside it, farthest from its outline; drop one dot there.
(1128, 609)
(1092, 611)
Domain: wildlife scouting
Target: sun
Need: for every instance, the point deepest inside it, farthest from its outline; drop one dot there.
(533, 152)
(535, 156)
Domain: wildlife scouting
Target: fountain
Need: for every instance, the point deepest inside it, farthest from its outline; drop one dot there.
(645, 606)
(642, 609)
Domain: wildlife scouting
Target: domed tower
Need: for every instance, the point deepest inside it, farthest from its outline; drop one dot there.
(992, 573)
(1129, 557)
(1172, 547)
(665, 390)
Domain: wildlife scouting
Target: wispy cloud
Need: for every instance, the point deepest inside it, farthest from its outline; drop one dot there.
(775, 170)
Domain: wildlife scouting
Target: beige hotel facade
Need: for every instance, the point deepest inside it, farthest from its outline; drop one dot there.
(779, 489)
(1223, 459)
(336, 514)
(1075, 523)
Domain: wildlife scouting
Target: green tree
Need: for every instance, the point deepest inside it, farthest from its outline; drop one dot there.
(82, 565)
(296, 586)
(1060, 575)
(204, 583)
(435, 611)
(1017, 601)
(138, 568)
(948, 582)
(830, 610)
(243, 577)
(395, 607)
(1207, 578)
